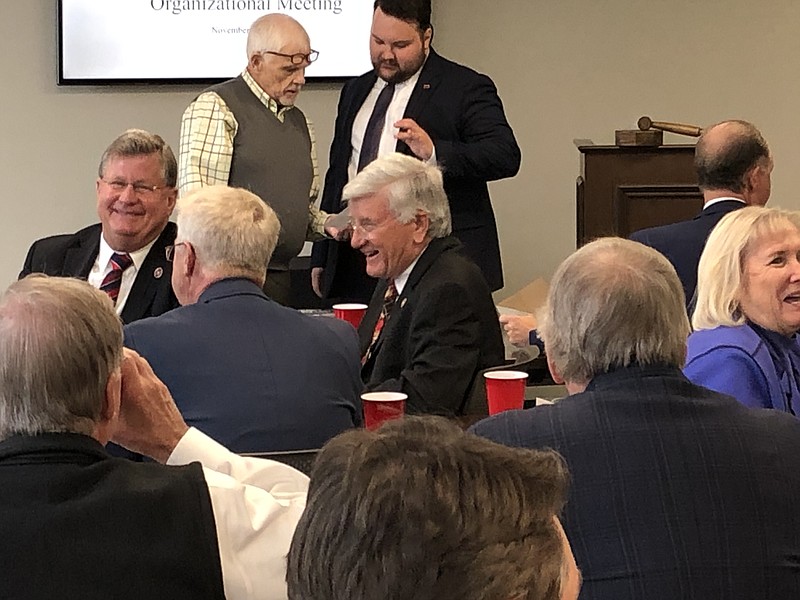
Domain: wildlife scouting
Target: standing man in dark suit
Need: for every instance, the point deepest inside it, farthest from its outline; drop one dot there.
(123, 254)
(253, 374)
(431, 325)
(423, 105)
(734, 166)
(678, 491)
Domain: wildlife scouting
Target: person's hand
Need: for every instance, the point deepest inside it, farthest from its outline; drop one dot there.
(340, 234)
(149, 422)
(518, 328)
(415, 138)
(316, 280)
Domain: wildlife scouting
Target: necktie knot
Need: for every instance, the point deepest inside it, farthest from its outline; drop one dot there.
(121, 261)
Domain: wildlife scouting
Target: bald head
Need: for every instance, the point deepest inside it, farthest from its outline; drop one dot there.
(274, 32)
(733, 159)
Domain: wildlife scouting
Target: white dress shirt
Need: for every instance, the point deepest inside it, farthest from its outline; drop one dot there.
(395, 112)
(257, 504)
(102, 267)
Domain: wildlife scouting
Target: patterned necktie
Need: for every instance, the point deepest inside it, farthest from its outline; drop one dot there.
(372, 135)
(112, 281)
(389, 296)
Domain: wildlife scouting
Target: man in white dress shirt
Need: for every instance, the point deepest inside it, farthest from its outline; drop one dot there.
(77, 523)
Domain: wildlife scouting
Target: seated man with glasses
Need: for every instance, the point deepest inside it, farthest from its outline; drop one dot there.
(123, 255)
(246, 132)
(431, 325)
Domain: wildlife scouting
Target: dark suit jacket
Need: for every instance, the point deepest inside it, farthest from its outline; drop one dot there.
(73, 255)
(79, 524)
(442, 331)
(677, 491)
(462, 113)
(682, 243)
(254, 375)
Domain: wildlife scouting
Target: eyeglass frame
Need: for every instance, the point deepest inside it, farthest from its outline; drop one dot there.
(169, 251)
(138, 188)
(296, 59)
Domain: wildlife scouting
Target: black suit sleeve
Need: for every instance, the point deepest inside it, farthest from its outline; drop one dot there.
(443, 351)
(27, 267)
(485, 148)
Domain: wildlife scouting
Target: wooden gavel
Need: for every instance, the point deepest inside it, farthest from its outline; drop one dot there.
(646, 123)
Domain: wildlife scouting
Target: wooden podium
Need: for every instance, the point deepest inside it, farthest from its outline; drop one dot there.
(623, 189)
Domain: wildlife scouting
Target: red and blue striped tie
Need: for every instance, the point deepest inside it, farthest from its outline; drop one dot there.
(112, 281)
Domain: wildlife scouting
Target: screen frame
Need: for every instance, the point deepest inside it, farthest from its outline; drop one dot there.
(63, 81)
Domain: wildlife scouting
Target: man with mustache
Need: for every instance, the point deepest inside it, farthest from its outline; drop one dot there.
(246, 132)
(421, 104)
(124, 254)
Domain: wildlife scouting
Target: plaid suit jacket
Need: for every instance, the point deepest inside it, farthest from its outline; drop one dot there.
(677, 491)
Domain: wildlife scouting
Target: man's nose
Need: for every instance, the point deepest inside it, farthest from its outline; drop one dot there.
(357, 238)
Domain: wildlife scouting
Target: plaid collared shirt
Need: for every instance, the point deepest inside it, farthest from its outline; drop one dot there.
(206, 148)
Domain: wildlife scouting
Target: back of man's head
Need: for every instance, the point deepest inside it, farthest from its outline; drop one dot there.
(233, 232)
(612, 304)
(421, 510)
(60, 341)
(726, 153)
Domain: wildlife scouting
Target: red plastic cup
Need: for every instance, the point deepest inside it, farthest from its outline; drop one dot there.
(505, 390)
(352, 313)
(380, 407)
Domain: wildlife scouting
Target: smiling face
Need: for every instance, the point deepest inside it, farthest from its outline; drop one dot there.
(132, 219)
(770, 294)
(397, 48)
(389, 245)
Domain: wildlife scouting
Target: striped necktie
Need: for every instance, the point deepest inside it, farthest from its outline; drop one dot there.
(112, 281)
(389, 296)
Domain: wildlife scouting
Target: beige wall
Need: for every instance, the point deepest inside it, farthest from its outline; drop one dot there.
(565, 69)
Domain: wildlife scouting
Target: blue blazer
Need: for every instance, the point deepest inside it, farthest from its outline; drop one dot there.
(737, 361)
(254, 375)
(682, 243)
(461, 111)
(677, 491)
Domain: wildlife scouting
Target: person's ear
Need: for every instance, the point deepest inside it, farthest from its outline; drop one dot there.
(109, 411)
(422, 224)
(427, 36)
(190, 260)
(554, 373)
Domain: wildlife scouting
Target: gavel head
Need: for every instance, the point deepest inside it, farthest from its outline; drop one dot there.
(645, 123)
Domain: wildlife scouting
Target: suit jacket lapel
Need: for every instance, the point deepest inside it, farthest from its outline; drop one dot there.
(361, 90)
(150, 277)
(428, 81)
(79, 259)
(428, 257)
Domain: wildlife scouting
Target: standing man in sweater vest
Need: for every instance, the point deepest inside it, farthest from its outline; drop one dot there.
(246, 132)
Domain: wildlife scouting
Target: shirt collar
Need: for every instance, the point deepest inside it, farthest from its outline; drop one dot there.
(137, 256)
(722, 199)
(266, 99)
(401, 280)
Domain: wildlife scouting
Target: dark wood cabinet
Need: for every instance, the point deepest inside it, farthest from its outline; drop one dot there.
(623, 189)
